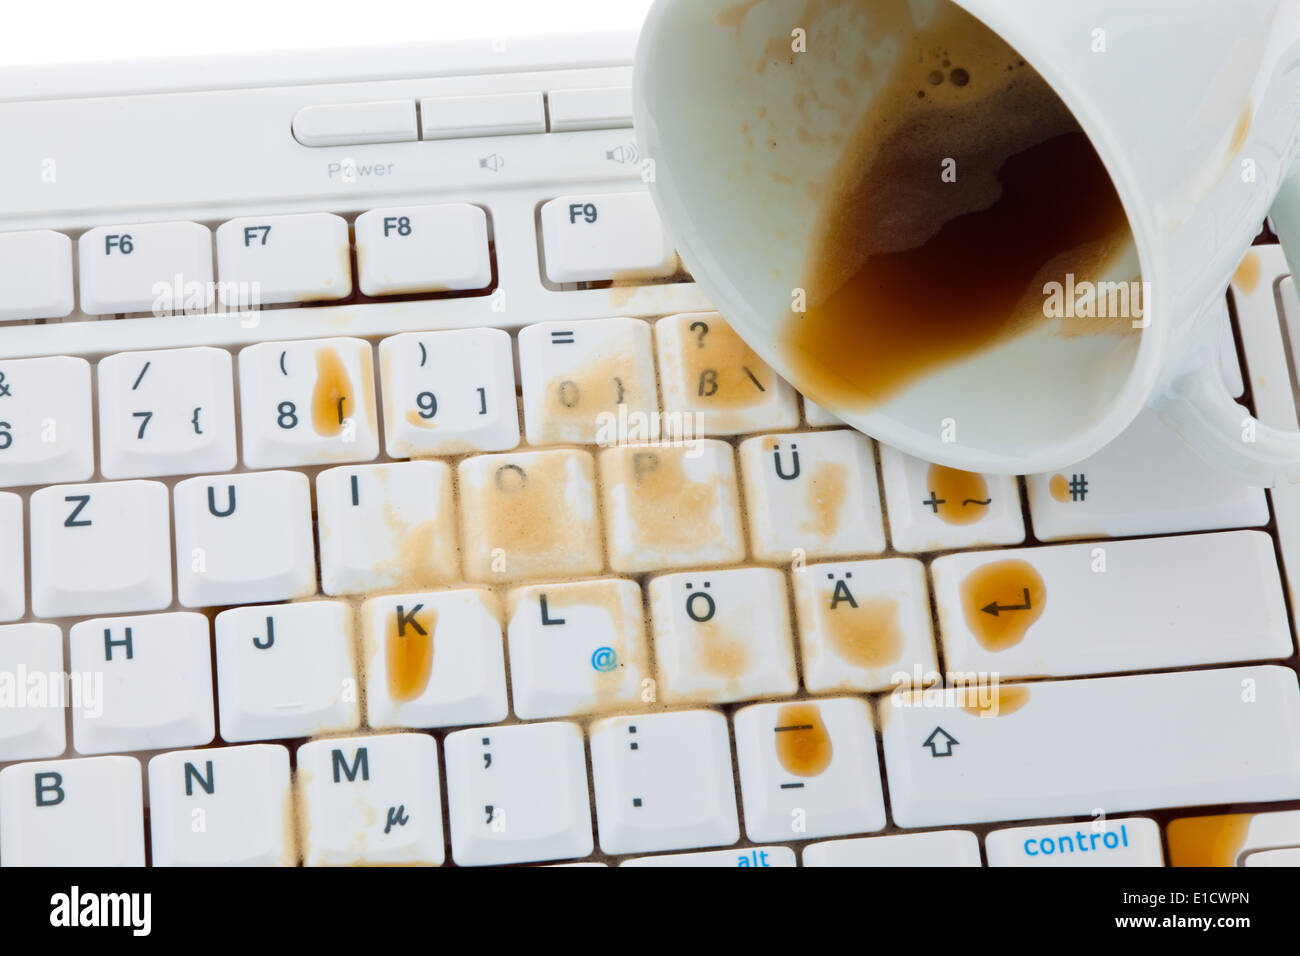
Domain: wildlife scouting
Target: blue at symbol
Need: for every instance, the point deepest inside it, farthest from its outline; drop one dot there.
(604, 659)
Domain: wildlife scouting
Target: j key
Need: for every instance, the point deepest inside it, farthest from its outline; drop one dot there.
(588, 382)
(1128, 841)
(714, 383)
(244, 538)
(1064, 748)
(518, 794)
(422, 249)
(87, 812)
(307, 403)
(1128, 605)
(577, 647)
(663, 782)
(157, 682)
(722, 636)
(861, 622)
(808, 769)
(606, 236)
(286, 671)
(529, 515)
(100, 548)
(37, 281)
(813, 493)
(166, 413)
(935, 848)
(1146, 481)
(269, 259)
(45, 430)
(448, 392)
(434, 659)
(31, 724)
(933, 508)
(371, 800)
(227, 806)
(13, 592)
(124, 267)
(386, 526)
(671, 507)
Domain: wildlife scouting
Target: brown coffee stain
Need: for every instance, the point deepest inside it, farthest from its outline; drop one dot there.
(523, 510)
(720, 652)
(803, 745)
(332, 399)
(997, 701)
(573, 401)
(667, 508)
(1059, 486)
(866, 635)
(408, 653)
(419, 421)
(1246, 278)
(1207, 841)
(719, 370)
(909, 271)
(1241, 130)
(960, 497)
(828, 488)
(993, 599)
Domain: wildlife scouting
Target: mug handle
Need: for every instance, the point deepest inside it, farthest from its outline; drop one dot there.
(1198, 407)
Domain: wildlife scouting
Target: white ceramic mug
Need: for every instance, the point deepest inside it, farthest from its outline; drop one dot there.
(1193, 107)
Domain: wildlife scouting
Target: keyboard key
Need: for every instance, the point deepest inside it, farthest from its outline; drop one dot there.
(264, 260)
(517, 794)
(348, 124)
(403, 249)
(934, 508)
(123, 267)
(244, 538)
(589, 382)
(936, 848)
(663, 782)
(286, 671)
(45, 430)
(818, 417)
(157, 673)
(31, 720)
(492, 114)
(1064, 748)
(758, 856)
(1127, 605)
(166, 413)
(715, 382)
(722, 636)
(386, 526)
(812, 495)
(1132, 841)
(808, 769)
(604, 236)
(307, 403)
(671, 506)
(228, 806)
(13, 591)
(862, 622)
(100, 548)
(434, 659)
(87, 812)
(371, 800)
(1146, 481)
(529, 515)
(577, 648)
(605, 107)
(1231, 839)
(448, 392)
(37, 280)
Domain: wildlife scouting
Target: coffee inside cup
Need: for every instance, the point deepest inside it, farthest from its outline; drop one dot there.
(965, 191)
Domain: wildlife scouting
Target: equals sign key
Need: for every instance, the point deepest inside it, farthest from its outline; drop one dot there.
(562, 338)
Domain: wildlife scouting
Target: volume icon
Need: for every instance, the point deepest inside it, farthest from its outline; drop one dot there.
(626, 153)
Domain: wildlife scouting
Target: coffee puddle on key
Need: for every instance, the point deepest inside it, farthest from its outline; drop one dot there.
(965, 188)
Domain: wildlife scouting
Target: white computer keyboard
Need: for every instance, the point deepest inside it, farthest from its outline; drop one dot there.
(396, 569)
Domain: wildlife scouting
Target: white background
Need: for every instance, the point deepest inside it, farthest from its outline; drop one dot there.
(74, 31)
